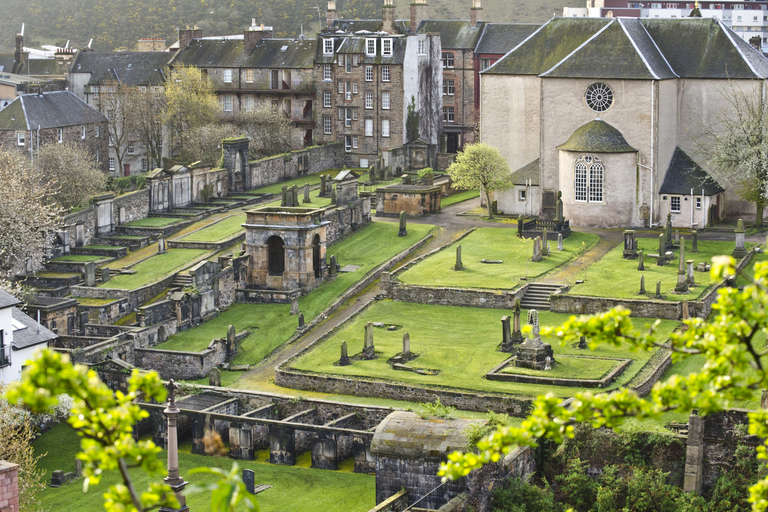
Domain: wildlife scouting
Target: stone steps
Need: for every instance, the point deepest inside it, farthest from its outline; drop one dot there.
(537, 295)
(181, 281)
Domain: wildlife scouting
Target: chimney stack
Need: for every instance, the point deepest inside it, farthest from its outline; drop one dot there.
(418, 13)
(473, 13)
(186, 35)
(254, 35)
(18, 56)
(388, 16)
(331, 15)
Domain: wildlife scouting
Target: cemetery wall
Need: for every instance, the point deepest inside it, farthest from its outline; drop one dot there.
(182, 365)
(150, 336)
(135, 205)
(346, 219)
(87, 218)
(721, 437)
(439, 296)
(520, 463)
(421, 477)
(659, 362)
(295, 164)
(582, 305)
(106, 313)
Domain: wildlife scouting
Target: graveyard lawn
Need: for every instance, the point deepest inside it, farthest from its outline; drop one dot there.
(217, 232)
(614, 277)
(271, 325)
(460, 342)
(458, 197)
(152, 222)
(492, 244)
(312, 179)
(78, 258)
(155, 268)
(296, 488)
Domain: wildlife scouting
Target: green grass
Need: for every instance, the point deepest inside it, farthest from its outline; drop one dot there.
(103, 247)
(570, 368)
(491, 244)
(459, 197)
(315, 200)
(296, 488)
(748, 274)
(87, 301)
(613, 276)
(219, 231)
(153, 222)
(57, 275)
(271, 325)
(77, 258)
(312, 179)
(154, 268)
(461, 342)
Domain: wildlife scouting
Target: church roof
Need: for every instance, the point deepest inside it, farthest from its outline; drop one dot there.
(529, 171)
(626, 48)
(597, 137)
(684, 174)
(502, 37)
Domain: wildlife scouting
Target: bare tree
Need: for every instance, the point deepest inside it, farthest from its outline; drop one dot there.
(148, 124)
(73, 171)
(118, 104)
(268, 128)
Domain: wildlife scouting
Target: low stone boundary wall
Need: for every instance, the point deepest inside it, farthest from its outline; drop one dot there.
(207, 246)
(584, 305)
(661, 360)
(465, 297)
(182, 365)
(395, 503)
(496, 374)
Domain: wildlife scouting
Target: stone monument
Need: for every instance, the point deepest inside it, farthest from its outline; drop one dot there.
(344, 359)
(739, 251)
(406, 346)
(458, 265)
(368, 350)
(536, 249)
(402, 231)
(214, 377)
(161, 246)
(640, 260)
(689, 279)
(630, 246)
(533, 353)
(559, 241)
(173, 479)
(681, 287)
(642, 285)
(306, 193)
(284, 196)
(695, 242)
(322, 185)
(517, 333)
(506, 335)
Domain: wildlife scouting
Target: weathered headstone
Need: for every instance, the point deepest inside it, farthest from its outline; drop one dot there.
(642, 285)
(368, 349)
(689, 279)
(533, 353)
(231, 336)
(403, 231)
(559, 209)
(630, 247)
(78, 467)
(695, 242)
(332, 266)
(284, 197)
(658, 289)
(406, 179)
(294, 196)
(544, 244)
(322, 186)
(333, 195)
(344, 359)
(668, 233)
(583, 343)
(536, 249)
(306, 193)
(161, 246)
(105, 275)
(681, 286)
(547, 363)
(517, 333)
(685, 310)
(90, 274)
(459, 265)
(301, 321)
(406, 346)
(677, 236)
(640, 260)
(559, 241)
(214, 377)
(739, 251)
(79, 235)
(494, 206)
(662, 249)
(249, 479)
(506, 334)
(57, 478)
(294, 305)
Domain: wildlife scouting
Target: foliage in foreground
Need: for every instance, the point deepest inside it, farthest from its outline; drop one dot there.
(734, 370)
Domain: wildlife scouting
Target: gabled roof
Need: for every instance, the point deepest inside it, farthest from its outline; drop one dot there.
(454, 34)
(7, 300)
(6, 62)
(355, 44)
(499, 38)
(40, 67)
(30, 334)
(48, 110)
(597, 137)
(530, 171)
(355, 25)
(129, 68)
(230, 53)
(684, 174)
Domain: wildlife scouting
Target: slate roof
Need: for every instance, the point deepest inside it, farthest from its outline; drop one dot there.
(597, 137)
(7, 300)
(32, 334)
(40, 67)
(6, 62)
(355, 44)
(530, 171)
(454, 34)
(499, 38)
(355, 25)
(269, 53)
(50, 110)
(684, 174)
(129, 68)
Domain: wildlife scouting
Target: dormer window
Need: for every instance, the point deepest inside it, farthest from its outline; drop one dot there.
(370, 47)
(327, 46)
(386, 47)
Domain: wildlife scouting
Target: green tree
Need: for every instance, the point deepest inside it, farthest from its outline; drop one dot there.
(480, 167)
(190, 102)
(734, 370)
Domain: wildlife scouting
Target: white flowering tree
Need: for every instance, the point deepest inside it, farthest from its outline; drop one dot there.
(480, 167)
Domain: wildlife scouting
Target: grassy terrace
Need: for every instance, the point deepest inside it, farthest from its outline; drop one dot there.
(271, 324)
(153, 222)
(314, 197)
(77, 258)
(460, 342)
(613, 276)
(218, 231)
(459, 197)
(154, 268)
(491, 244)
(296, 488)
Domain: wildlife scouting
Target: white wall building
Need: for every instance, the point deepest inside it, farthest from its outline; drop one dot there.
(20, 337)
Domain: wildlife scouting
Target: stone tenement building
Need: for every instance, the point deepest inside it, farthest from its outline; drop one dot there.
(33, 120)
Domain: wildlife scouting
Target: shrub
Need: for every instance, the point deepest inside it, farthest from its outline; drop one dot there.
(517, 495)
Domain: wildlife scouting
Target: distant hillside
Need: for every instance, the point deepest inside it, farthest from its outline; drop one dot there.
(120, 23)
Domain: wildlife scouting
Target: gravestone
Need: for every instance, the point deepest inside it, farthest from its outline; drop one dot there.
(667, 233)
(306, 193)
(79, 235)
(368, 349)
(583, 343)
(658, 290)
(249, 479)
(547, 363)
(559, 211)
(681, 286)
(685, 310)
(739, 251)
(90, 274)
(662, 250)
(494, 206)
(322, 186)
(406, 179)
(344, 359)
(695, 243)
(161, 246)
(105, 275)
(640, 260)
(332, 266)
(294, 196)
(677, 236)
(517, 333)
(78, 467)
(559, 241)
(533, 353)
(333, 194)
(630, 246)
(214, 377)
(57, 478)
(642, 285)
(536, 249)
(689, 279)
(301, 321)
(506, 335)
(284, 197)
(294, 305)
(544, 243)
(403, 228)
(231, 339)
(406, 346)
(121, 215)
(458, 265)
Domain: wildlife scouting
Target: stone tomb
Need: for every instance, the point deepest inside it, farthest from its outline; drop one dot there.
(534, 353)
(286, 247)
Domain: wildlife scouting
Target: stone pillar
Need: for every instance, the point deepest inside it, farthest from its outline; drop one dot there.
(694, 455)
(642, 285)
(403, 231)
(282, 445)
(284, 197)
(658, 290)
(681, 286)
(559, 241)
(640, 260)
(406, 346)
(459, 265)
(369, 351)
(306, 193)
(668, 233)
(662, 249)
(322, 186)
(333, 194)
(506, 335)
(739, 251)
(517, 334)
(173, 479)
(695, 244)
(324, 451)
(689, 279)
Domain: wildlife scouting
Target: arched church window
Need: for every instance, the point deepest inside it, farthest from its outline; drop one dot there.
(599, 97)
(588, 179)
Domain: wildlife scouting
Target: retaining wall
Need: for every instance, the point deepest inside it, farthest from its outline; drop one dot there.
(295, 164)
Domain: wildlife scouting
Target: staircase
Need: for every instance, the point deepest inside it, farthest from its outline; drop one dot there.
(181, 281)
(537, 295)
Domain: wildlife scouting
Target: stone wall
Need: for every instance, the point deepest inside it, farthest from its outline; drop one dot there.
(421, 476)
(295, 164)
(9, 486)
(85, 217)
(440, 296)
(182, 365)
(395, 503)
(519, 463)
(346, 219)
(130, 207)
(582, 305)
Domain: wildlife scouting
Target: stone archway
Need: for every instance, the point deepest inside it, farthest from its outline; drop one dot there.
(275, 255)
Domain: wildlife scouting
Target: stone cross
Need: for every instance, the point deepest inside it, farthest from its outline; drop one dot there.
(214, 377)
(689, 279)
(544, 244)
(640, 260)
(642, 285)
(368, 349)
(739, 251)
(306, 193)
(662, 250)
(322, 186)
(294, 305)
(406, 345)
(344, 359)
(90, 274)
(695, 243)
(161, 246)
(403, 228)
(105, 275)
(658, 289)
(536, 249)
(249, 480)
(284, 197)
(506, 335)
(681, 287)
(559, 241)
(458, 265)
